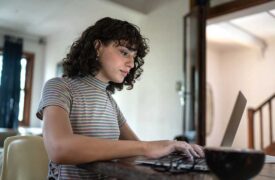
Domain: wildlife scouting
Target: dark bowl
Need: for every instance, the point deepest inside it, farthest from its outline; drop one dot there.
(228, 163)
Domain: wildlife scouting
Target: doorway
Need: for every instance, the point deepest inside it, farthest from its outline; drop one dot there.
(240, 51)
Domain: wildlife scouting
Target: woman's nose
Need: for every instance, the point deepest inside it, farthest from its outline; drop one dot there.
(131, 63)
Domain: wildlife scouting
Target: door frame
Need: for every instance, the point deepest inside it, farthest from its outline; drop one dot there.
(228, 7)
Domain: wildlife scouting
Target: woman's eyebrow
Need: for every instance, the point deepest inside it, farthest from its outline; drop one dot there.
(132, 50)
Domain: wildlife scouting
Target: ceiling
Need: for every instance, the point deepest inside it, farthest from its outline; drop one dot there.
(250, 27)
(43, 17)
(260, 27)
(31, 16)
(143, 6)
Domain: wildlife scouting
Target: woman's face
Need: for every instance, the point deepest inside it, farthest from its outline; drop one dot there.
(116, 62)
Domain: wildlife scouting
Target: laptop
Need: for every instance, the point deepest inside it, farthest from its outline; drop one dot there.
(179, 162)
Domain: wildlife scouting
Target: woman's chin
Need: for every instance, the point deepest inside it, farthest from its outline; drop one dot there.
(118, 80)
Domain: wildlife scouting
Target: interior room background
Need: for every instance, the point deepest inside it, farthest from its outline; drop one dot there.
(153, 108)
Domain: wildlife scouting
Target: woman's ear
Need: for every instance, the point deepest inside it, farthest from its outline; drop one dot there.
(97, 45)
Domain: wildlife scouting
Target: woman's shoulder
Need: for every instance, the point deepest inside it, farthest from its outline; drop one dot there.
(60, 80)
(64, 82)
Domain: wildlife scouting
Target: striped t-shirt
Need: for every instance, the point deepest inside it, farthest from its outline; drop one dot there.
(92, 112)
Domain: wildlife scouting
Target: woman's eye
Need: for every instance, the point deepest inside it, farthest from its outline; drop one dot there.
(124, 53)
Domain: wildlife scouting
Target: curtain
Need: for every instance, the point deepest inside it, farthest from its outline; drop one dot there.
(10, 82)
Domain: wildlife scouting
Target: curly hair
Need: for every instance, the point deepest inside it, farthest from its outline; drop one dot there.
(81, 59)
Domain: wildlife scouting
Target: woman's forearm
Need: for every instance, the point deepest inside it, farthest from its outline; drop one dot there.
(76, 149)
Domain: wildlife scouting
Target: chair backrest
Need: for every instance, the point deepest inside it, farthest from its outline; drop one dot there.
(24, 158)
(6, 132)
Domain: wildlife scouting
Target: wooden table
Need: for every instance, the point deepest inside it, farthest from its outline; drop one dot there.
(130, 171)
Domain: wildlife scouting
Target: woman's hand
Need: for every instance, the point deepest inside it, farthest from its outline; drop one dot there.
(157, 149)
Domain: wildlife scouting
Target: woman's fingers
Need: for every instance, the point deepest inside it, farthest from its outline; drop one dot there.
(199, 150)
(191, 150)
(194, 153)
(188, 153)
(158, 149)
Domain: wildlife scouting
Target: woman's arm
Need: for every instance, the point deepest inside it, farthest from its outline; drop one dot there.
(64, 147)
(67, 148)
(126, 133)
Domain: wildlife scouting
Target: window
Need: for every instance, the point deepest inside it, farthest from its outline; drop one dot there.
(25, 87)
(22, 88)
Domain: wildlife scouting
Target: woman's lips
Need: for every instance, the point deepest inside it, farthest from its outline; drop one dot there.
(124, 73)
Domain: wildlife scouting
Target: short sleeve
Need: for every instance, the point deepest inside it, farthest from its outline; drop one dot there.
(120, 117)
(56, 92)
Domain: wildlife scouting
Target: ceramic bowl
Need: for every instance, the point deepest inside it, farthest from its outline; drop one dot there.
(228, 163)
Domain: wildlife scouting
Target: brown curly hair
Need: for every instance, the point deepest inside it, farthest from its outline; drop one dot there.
(81, 59)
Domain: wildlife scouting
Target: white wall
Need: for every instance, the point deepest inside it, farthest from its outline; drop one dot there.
(214, 80)
(244, 69)
(157, 110)
(31, 44)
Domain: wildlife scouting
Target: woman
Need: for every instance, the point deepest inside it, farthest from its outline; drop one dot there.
(82, 122)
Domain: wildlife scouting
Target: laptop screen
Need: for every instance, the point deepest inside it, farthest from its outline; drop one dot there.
(234, 120)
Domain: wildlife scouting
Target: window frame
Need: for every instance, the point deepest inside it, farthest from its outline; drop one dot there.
(28, 88)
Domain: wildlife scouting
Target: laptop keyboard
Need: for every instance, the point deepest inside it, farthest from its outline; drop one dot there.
(173, 157)
(178, 162)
